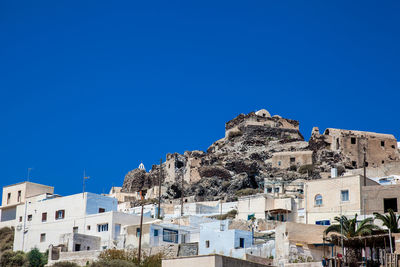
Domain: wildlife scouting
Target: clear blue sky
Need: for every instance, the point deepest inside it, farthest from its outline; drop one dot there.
(103, 85)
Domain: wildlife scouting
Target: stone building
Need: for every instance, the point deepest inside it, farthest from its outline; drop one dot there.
(379, 148)
(284, 160)
(263, 118)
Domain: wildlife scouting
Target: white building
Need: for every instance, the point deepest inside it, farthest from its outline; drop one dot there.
(14, 195)
(216, 237)
(46, 220)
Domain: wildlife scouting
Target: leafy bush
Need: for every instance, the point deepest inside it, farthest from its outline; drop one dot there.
(122, 258)
(306, 169)
(13, 259)
(247, 192)
(6, 238)
(233, 134)
(293, 168)
(36, 259)
(65, 264)
(113, 263)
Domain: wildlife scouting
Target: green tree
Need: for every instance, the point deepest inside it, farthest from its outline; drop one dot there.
(36, 259)
(349, 228)
(390, 220)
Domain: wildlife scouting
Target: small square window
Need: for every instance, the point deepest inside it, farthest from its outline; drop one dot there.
(344, 195)
(75, 229)
(207, 243)
(102, 210)
(42, 238)
(383, 143)
(353, 141)
(156, 232)
(20, 218)
(279, 163)
(137, 232)
(292, 160)
(30, 217)
(60, 214)
(88, 227)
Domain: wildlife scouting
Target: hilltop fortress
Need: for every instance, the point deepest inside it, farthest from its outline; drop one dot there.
(258, 147)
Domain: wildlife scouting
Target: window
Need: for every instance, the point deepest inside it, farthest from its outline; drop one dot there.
(390, 204)
(382, 143)
(354, 163)
(318, 200)
(337, 143)
(60, 214)
(353, 140)
(42, 238)
(276, 190)
(8, 198)
(366, 164)
(101, 210)
(44, 216)
(344, 195)
(323, 222)
(155, 232)
(279, 163)
(292, 160)
(20, 218)
(77, 247)
(102, 227)
(19, 196)
(241, 242)
(269, 190)
(88, 227)
(30, 217)
(207, 243)
(75, 229)
(87, 248)
(137, 232)
(170, 235)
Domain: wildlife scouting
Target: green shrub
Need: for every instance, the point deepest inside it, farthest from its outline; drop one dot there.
(36, 259)
(247, 192)
(309, 168)
(13, 259)
(65, 264)
(113, 263)
(293, 168)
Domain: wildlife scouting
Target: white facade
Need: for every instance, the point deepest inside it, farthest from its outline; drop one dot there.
(43, 221)
(215, 237)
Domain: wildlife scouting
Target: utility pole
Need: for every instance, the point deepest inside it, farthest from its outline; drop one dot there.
(141, 226)
(341, 229)
(182, 188)
(365, 167)
(159, 191)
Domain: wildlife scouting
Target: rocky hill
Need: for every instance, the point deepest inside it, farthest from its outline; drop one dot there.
(256, 146)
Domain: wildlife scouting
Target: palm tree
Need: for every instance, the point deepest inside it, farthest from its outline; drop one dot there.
(348, 228)
(390, 220)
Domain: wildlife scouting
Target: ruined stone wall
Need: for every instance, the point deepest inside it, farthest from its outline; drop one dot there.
(380, 148)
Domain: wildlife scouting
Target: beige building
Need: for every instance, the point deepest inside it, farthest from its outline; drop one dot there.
(14, 195)
(122, 197)
(213, 260)
(297, 242)
(347, 195)
(380, 148)
(284, 160)
(263, 206)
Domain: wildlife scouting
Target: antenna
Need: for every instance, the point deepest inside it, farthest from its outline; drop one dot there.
(29, 173)
(83, 181)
